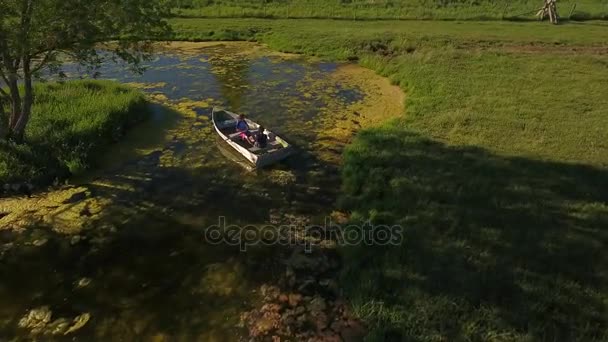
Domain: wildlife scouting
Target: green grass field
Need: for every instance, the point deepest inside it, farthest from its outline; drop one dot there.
(71, 123)
(386, 9)
(497, 172)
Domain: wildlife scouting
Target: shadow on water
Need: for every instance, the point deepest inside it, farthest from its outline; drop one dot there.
(503, 245)
(151, 271)
(155, 275)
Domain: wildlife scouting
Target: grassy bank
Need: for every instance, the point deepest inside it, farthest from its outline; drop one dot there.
(71, 124)
(501, 188)
(497, 172)
(394, 9)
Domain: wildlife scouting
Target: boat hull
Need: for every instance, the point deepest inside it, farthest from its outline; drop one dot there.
(267, 157)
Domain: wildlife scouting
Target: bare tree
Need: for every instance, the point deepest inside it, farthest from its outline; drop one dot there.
(549, 10)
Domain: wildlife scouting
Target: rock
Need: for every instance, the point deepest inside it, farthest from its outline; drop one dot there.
(353, 333)
(40, 242)
(300, 310)
(264, 325)
(6, 247)
(37, 319)
(275, 216)
(301, 320)
(83, 282)
(295, 299)
(283, 298)
(75, 239)
(320, 320)
(311, 190)
(270, 307)
(79, 322)
(288, 317)
(339, 217)
(269, 293)
(317, 304)
(57, 327)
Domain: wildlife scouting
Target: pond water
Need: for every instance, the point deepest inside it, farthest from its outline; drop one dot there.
(125, 246)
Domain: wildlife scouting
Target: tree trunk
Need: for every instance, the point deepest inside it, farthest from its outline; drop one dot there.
(26, 106)
(15, 102)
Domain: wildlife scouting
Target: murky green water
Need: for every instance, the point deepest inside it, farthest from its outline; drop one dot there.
(130, 251)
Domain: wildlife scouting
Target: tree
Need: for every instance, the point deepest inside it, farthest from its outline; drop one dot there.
(38, 36)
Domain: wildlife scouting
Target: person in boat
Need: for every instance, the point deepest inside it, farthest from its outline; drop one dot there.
(261, 139)
(242, 127)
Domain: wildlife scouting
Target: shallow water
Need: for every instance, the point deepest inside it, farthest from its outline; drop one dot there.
(126, 244)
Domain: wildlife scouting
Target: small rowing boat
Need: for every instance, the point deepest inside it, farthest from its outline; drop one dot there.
(225, 125)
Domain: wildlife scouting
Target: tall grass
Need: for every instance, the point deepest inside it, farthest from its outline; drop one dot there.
(71, 124)
(387, 9)
(497, 173)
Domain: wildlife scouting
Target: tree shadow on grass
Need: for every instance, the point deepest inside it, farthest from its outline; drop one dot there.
(493, 245)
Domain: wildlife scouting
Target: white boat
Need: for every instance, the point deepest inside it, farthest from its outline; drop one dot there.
(225, 125)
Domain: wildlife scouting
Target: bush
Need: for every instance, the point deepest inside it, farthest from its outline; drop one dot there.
(71, 124)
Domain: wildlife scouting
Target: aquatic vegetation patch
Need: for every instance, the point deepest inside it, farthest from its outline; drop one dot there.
(147, 86)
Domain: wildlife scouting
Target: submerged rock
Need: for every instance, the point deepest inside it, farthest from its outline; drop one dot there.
(58, 326)
(37, 319)
(40, 242)
(75, 239)
(6, 247)
(294, 299)
(79, 322)
(83, 282)
(317, 304)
